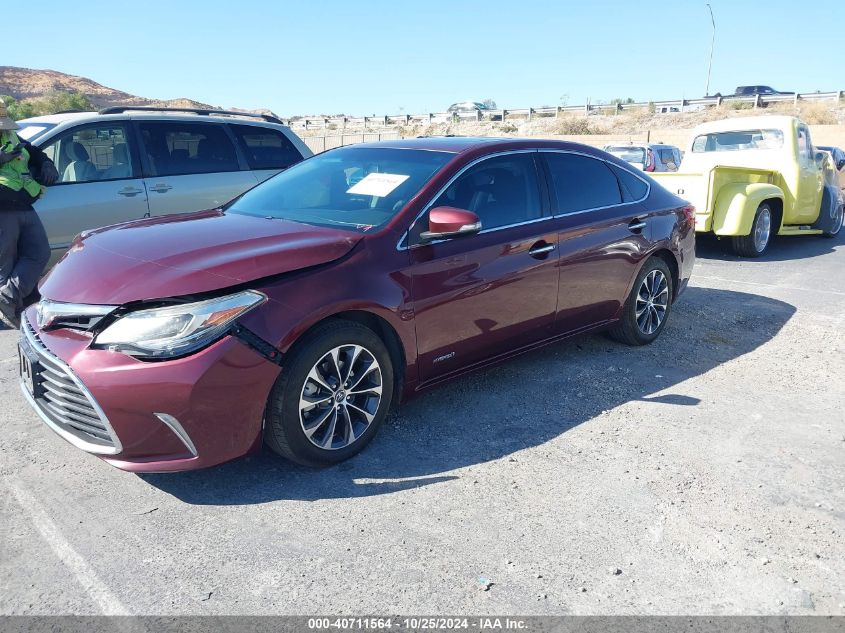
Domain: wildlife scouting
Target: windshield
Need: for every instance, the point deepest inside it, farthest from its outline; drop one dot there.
(739, 140)
(356, 188)
(31, 131)
(628, 154)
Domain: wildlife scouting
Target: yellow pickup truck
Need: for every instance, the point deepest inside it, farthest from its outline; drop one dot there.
(750, 178)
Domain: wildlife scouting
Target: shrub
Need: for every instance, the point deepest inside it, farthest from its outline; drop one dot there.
(52, 102)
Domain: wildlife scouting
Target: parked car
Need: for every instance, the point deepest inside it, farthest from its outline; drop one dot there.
(837, 155)
(128, 163)
(468, 106)
(750, 91)
(301, 311)
(751, 178)
(649, 157)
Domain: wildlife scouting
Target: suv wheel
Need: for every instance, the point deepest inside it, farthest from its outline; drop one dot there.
(755, 243)
(333, 394)
(647, 306)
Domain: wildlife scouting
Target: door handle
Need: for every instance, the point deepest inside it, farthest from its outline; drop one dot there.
(541, 249)
(130, 192)
(636, 225)
(161, 188)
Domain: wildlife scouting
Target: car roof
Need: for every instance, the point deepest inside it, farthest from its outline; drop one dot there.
(460, 144)
(778, 122)
(76, 117)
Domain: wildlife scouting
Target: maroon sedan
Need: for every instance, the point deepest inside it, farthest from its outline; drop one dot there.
(300, 312)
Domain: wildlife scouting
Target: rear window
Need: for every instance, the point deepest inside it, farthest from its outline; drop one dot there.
(628, 154)
(738, 140)
(266, 148)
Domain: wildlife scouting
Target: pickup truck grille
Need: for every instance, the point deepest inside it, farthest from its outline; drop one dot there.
(63, 401)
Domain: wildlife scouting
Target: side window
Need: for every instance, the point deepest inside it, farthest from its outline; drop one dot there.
(180, 147)
(266, 148)
(803, 147)
(580, 183)
(92, 153)
(633, 187)
(502, 190)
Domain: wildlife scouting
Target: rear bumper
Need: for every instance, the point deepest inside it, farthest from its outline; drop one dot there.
(184, 414)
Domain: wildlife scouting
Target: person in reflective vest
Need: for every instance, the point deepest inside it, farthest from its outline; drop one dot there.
(25, 171)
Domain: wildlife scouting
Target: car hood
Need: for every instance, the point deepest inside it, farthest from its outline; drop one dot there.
(187, 254)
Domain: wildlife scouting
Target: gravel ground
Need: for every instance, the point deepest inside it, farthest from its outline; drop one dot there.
(704, 474)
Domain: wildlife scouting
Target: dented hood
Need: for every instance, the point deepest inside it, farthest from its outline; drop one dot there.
(187, 254)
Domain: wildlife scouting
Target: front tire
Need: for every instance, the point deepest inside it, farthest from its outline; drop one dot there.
(332, 395)
(647, 306)
(755, 243)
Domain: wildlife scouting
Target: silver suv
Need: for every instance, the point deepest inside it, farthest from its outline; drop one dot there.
(648, 156)
(123, 164)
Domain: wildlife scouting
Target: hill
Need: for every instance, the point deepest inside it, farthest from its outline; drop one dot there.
(26, 84)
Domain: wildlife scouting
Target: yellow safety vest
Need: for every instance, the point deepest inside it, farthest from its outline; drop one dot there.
(15, 174)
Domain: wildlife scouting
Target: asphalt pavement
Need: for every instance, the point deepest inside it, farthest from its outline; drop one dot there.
(704, 474)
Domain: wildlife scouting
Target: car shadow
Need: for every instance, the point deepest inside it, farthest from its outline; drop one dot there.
(781, 249)
(500, 411)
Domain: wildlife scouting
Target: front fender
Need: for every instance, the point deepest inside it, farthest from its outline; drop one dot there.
(736, 205)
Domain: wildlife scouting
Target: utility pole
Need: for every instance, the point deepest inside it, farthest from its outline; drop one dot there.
(712, 43)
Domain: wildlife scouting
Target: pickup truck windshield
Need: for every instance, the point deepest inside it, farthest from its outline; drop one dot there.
(354, 188)
(738, 140)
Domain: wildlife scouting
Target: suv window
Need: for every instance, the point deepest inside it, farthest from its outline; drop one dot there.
(501, 190)
(580, 183)
(668, 158)
(91, 153)
(265, 148)
(180, 147)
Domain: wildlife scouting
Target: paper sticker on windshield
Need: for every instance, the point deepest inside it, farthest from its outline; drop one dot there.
(376, 184)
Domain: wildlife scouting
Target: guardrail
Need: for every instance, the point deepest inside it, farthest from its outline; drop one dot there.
(342, 122)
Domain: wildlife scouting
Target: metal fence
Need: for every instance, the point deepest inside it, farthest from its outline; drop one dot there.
(319, 144)
(341, 122)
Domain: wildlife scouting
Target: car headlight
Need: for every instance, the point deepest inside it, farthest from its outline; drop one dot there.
(176, 330)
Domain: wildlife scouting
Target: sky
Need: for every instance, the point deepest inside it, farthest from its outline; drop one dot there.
(373, 57)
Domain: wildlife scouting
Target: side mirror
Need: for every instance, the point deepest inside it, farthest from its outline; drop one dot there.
(819, 159)
(446, 222)
(840, 164)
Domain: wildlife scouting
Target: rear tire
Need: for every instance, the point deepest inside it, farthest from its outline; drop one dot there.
(332, 396)
(837, 223)
(755, 243)
(648, 305)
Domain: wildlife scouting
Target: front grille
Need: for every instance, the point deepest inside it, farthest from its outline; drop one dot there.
(64, 402)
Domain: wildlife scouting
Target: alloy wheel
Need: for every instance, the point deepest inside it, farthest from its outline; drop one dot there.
(762, 229)
(652, 302)
(340, 397)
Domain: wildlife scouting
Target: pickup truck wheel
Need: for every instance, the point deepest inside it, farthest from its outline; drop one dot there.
(332, 395)
(647, 306)
(837, 223)
(755, 243)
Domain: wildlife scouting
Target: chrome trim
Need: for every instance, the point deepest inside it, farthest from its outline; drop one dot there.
(637, 226)
(74, 439)
(174, 425)
(400, 247)
(50, 312)
(434, 198)
(542, 249)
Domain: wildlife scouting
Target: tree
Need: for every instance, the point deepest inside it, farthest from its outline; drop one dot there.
(621, 101)
(52, 102)
(490, 104)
